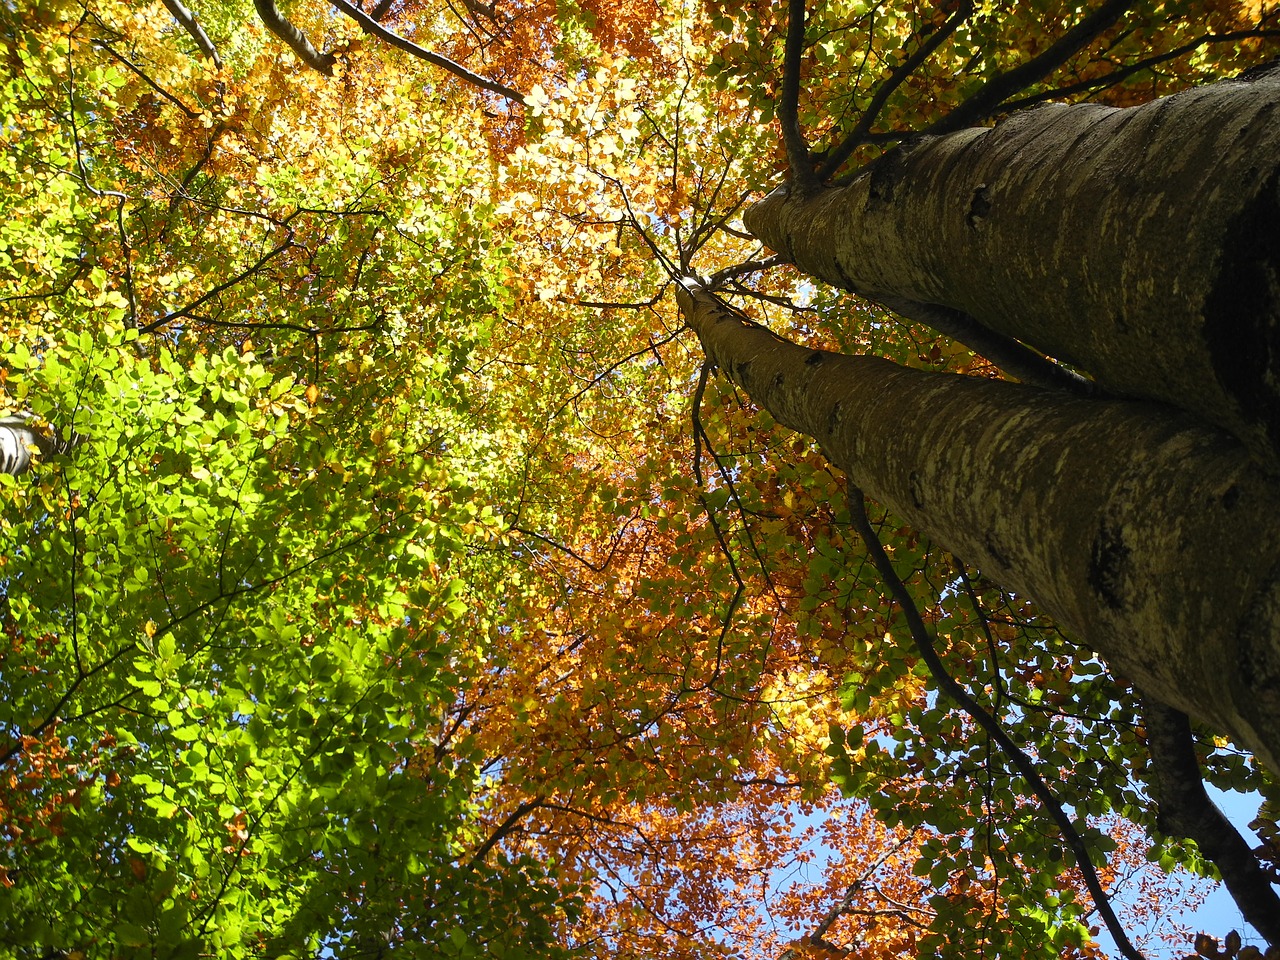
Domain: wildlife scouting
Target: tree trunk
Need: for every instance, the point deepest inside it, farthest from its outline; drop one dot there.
(1153, 537)
(1141, 245)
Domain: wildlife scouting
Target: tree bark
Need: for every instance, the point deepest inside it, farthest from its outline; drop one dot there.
(1151, 536)
(1141, 245)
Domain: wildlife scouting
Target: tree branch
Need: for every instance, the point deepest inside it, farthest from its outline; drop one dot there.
(721, 277)
(948, 686)
(279, 24)
(838, 155)
(1001, 88)
(187, 20)
(186, 311)
(798, 158)
(369, 25)
(845, 905)
(1122, 73)
(502, 831)
(146, 78)
(1185, 810)
(1009, 355)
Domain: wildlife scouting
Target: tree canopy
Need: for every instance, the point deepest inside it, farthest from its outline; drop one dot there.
(424, 532)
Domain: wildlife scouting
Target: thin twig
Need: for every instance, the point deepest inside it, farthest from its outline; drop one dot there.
(838, 155)
(948, 686)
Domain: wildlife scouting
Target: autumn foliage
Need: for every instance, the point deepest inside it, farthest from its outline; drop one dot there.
(416, 590)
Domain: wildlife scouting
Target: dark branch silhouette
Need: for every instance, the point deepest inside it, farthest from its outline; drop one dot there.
(839, 154)
(1185, 810)
(1015, 359)
(983, 103)
(1123, 73)
(798, 159)
(948, 686)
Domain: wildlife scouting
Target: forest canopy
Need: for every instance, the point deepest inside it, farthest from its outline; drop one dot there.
(630, 479)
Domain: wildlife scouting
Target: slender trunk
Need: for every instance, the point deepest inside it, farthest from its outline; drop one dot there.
(1154, 538)
(1142, 245)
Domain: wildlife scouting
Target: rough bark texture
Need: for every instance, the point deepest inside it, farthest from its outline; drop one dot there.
(1152, 536)
(1142, 245)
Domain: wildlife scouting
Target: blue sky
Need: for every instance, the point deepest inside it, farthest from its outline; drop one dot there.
(1218, 915)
